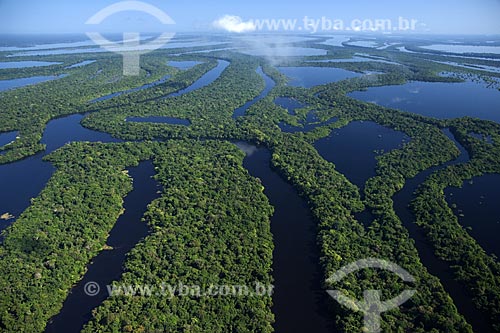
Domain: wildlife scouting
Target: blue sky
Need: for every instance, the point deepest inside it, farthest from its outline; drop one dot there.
(67, 16)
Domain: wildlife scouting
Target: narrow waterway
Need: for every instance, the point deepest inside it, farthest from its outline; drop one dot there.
(27, 81)
(143, 87)
(205, 80)
(269, 85)
(108, 265)
(299, 302)
(27, 178)
(436, 266)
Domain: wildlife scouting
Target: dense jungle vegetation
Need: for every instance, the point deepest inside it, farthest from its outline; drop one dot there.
(211, 224)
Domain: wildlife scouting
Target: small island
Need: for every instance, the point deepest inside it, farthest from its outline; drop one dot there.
(6, 216)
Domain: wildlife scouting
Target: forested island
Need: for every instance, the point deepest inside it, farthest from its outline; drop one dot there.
(211, 222)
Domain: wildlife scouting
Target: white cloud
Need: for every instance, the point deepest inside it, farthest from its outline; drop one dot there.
(233, 23)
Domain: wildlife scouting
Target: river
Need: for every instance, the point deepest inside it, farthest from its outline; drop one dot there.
(299, 302)
(434, 265)
(108, 265)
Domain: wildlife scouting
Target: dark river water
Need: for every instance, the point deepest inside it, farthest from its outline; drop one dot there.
(27, 178)
(108, 265)
(269, 86)
(299, 301)
(477, 206)
(437, 99)
(205, 80)
(353, 148)
(8, 137)
(436, 266)
(143, 87)
(28, 81)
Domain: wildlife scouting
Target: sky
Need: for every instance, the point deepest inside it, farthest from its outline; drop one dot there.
(69, 16)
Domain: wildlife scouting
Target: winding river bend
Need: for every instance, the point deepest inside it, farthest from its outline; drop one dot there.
(108, 265)
(299, 301)
(436, 266)
(269, 86)
(205, 80)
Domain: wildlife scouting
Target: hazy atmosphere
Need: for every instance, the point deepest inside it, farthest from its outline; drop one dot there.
(439, 17)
